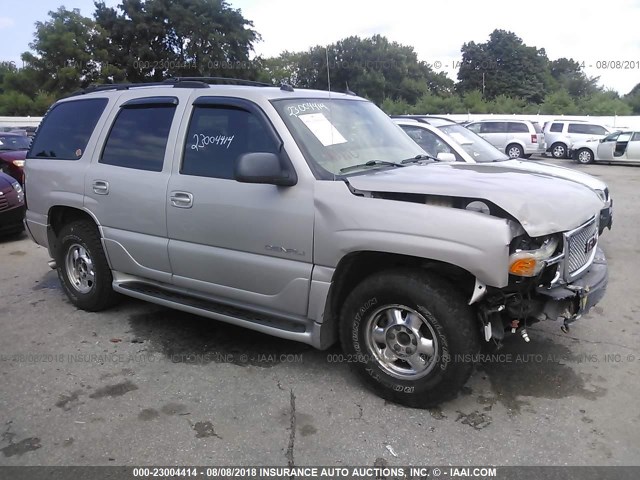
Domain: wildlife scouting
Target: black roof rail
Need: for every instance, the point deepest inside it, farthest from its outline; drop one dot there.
(224, 80)
(178, 82)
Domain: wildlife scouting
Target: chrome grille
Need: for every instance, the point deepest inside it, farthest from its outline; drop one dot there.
(581, 247)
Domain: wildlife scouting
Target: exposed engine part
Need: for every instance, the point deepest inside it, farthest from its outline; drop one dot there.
(525, 335)
(565, 327)
(514, 325)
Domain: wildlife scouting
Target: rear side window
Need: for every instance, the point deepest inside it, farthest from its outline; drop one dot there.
(556, 127)
(66, 129)
(138, 137)
(517, 127)
(578, 128)
(596, 130)
(493, 127)
(218, 135)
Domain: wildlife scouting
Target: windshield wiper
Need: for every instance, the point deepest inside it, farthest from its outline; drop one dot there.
(419, 158)
(370, 163)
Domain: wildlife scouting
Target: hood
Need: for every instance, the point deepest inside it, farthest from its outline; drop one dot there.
(5, 182)
(11, 155)
(558, 171)
(541, 202)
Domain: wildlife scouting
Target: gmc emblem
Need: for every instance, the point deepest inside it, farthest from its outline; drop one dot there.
(590, 244)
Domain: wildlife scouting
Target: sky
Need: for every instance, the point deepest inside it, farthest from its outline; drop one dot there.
(593, 33)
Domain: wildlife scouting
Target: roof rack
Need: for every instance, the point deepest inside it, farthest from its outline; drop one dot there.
(176, 82)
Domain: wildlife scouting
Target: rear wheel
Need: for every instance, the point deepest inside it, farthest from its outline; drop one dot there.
(559, 150)
(584, 156)
(82, 267)
(514, 151)
(411, 336)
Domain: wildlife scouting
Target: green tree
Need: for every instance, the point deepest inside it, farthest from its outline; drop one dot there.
(559, 103)
(633, 99)
(504, 65)
(150, 40)
(568, 75)
(373, 67)
(63, 52)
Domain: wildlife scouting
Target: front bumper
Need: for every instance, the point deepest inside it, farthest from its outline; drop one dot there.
(573, 300)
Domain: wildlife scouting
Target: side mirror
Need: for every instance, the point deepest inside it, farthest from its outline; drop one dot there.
(263, 167)
(446, 157)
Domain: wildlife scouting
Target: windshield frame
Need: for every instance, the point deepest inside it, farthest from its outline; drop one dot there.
(411, 149)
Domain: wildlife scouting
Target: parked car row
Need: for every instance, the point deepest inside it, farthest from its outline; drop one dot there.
(619, 147)
(446, 140)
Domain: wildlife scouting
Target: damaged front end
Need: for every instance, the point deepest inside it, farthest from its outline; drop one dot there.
(556, 277)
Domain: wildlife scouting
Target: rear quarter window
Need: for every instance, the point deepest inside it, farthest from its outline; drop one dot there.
(66, 129)
(556, 127)
(517, 127)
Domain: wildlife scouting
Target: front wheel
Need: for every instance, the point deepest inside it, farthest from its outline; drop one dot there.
(559, 150)
(584, 156)
(82, 267)
(411, 335)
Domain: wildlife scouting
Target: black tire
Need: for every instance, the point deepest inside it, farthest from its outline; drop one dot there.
(77, 235)
(445, 316)
(584, 156)
(527, 155)
(514, 150)
(559, 150)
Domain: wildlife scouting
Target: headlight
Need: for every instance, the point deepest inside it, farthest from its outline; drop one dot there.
(18, 163)
(16, 186)
(528, 263)
(602, 195)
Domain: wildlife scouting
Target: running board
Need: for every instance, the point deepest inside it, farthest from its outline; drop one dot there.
(265, 323)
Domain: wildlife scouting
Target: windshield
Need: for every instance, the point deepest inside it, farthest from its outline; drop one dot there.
(17, 142)
(337, 134)
(476, 146)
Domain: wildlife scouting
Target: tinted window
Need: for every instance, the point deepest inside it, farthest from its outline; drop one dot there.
(217, 136)
(493, 127)
(556, 127)
(517, 127)
(66, 129)
(138, 138)
(596, 130)
(578, 128)
(474, 127)
(636, 137)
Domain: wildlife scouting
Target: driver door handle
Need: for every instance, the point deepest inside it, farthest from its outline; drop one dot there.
(181, 199)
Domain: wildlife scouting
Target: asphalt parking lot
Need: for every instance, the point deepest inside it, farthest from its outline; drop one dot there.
(142, 384)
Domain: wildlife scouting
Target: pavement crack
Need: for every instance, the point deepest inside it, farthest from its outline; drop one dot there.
(292, 430)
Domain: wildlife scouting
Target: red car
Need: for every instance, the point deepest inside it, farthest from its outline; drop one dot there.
(11, 205)
(13, 151)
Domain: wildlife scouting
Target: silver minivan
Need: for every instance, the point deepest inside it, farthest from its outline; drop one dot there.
(516, 138)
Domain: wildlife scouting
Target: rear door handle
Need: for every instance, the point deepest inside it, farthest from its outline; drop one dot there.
(100, 187)
(181, 199)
